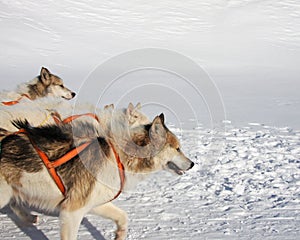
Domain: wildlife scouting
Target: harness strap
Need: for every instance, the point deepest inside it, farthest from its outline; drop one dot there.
(120, 165)
(68, 156)
(51, 165)
(57, 119)
(121, 171)
(73, 117)
(10, 103)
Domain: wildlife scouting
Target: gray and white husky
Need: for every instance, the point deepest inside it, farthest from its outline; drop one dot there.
(92, 178)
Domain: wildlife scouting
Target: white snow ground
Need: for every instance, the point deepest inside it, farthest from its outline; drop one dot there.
(246, 182)
(246, 188)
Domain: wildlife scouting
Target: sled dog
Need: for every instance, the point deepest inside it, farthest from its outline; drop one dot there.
(44, 111)
(46, 84)
(92, 178)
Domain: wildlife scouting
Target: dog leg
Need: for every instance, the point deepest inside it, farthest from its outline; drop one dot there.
(116, 214)
(22, 213)
(6, 192)
(69, 223)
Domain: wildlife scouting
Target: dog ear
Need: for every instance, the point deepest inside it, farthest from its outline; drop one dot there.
(157, 127)
(162, 118)
(138, 106)
(45, 76)
(158, 133)
(110, 106)
(129, 109)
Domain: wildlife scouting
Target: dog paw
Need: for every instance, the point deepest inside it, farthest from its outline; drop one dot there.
(34, 219)
(29, 219)
(121, 234)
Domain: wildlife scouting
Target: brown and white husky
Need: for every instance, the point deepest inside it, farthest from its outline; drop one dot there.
(46, 84)
(92, 178)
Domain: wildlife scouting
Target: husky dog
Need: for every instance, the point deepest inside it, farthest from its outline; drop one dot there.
(46, 84)
(43, 111)
(37, 115)
(92, 178)
(130, 116)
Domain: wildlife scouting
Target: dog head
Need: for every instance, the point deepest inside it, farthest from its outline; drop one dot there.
(135, 116)
(170, 156)
(53, 85)
(122, 120)
(156, 148)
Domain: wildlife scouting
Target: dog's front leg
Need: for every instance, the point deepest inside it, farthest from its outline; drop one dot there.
(116, 214)
(69, 223)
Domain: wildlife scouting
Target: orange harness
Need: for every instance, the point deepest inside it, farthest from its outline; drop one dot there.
(58, 120)
(52, 165)
(121, 171)
(10, 103)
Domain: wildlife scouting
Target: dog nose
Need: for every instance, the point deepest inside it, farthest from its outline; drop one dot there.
(192, 165)
(73, 94)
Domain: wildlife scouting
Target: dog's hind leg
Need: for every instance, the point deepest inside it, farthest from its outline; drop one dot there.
(6, 192)
(22, 213)
(6, 197)
(70, 222)
(116, 214)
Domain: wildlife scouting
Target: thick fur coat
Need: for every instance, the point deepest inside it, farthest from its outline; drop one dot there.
(92, 177)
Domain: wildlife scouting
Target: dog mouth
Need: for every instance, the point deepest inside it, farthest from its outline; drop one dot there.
(67, 98)
(175, 168)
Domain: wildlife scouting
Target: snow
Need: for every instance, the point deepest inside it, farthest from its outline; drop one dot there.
(249, 189)
(246, 181)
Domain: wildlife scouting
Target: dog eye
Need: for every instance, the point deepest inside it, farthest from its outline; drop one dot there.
(178, 149)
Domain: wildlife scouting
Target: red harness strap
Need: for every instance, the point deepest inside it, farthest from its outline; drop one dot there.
(51, 165)
(120, 165)
(10, 103)
(121, 171)
(57, 119)
(73, 117)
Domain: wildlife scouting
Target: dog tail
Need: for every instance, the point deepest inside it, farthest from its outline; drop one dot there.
(19, 123)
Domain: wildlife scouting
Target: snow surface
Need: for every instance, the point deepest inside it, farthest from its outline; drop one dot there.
(246, 182)
(249, 48)
(246, 188)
